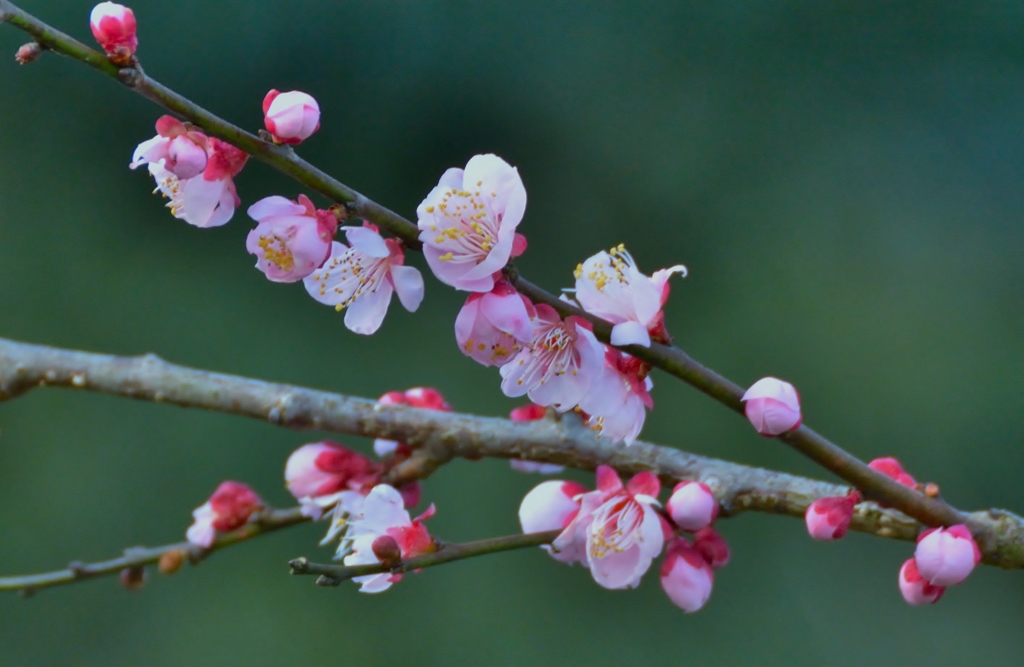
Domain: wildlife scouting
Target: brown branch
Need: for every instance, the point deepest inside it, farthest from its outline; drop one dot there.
(671, 359)
(438, 437)
(267, 521)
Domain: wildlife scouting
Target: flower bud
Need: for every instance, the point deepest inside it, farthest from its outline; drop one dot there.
(829, 518)
(916, 591)
(685, 576)
(229, 507)
(426, 398)
(113, 26)
(171, 561)
(772, 406)
(712, 546)
(692, 506)
(945, 556)
(290, 117)
(133, 578)
(323, 468)
(528, 413)
(890, 467)
(28, 53)
(552, 505)
(387, 551)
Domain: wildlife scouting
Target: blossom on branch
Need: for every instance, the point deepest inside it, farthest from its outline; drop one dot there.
(179, 150)
(686, 576)
(425, 398)
(468, 223)
(772, 407)
(692, 506)
(290, 117)
(552, 505)
(558, 366)
(829, 518)
(610, 286)
(619, 397)
(618, 527)
(322, 474)
(915, 589)
(228, 508)
(383, 514)
(113, 26)
(712, 546)
(891, 467)
(363, 276)
(529, 413)
(945, 556)
(207, 200)
(493, 326)
(292, 239)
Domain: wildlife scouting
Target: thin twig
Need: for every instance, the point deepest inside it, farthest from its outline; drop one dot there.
(671, 359)
(447, 553)
(135, 557)
(438, 437)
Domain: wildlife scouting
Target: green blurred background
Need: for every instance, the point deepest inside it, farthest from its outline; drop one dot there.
(843, 180)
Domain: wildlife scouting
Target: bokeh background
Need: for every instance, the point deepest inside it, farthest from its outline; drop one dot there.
(843, 180)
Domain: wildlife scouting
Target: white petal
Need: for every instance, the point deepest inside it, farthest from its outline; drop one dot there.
(367, 241)
(365, 314)
(630, 333)
(408, 285)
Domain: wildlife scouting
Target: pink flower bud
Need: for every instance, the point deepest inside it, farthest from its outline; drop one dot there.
(229, 507)
(291, 117)
(890, 467)
(772, 406)
(28, 53)
(133, 578)
(916, 591)
(425, 398)
(712, 546)
(945, 556)
(324, 468)
(292, 240)
(528, 413)
(552, 505)
(829, 518)
(685, 576)
(692, 506)
(113, 26)
(387, 551)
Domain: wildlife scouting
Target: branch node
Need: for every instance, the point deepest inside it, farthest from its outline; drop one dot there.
(77, 568)
(130, 76)
(326, 581)
(299, 565)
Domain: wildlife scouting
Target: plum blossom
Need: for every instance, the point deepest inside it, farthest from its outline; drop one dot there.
(181, 151)
(528, 413)
(945, 556)
(772, 406)
(28, 53)
(425, 398)
(829, 518)
(686, 577)
(915, 589)
(468, 223)
(493, 326)
(228, 508)
(558, 366)
(292, 239)
(290, 117)
(113, 26)
(619, 397)
(610, 286)
(552, 505)
(383, 514)
(618, 528)
(207, 200)
(362, 277)
(891, 467)
(692, 506)
(712, 546)
(322, 474)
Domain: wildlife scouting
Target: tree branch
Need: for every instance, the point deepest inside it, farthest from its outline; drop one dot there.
(671, 359)
(332, 575)
(267, 521)
(438, 437)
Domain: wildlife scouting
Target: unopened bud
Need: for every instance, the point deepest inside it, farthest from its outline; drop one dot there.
(113, 26)
(28, 52)
(171, 561)
(712, 546)
(931, 489)
(829, 518)
(133, 578)
(387, 551)
(772, 407)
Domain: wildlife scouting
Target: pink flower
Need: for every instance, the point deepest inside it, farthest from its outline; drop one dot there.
(181, 151)
(208, 200)
(468, 223)
(559, 365)
(229, 507)
(292, 239)
(290, 117)
(363, 277)
(317, 472)
(425, 398)
(552, 505)
(692, 506)
(686, 577)
(619, 397)
(829, 518)
(890, 467)
(113, 26)
(528, 413)
(916, 591)
(610, 286)
(382, 513)
(945, 556)
(619, 528)
(712, 546)
(493, 326)
(772, 406)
